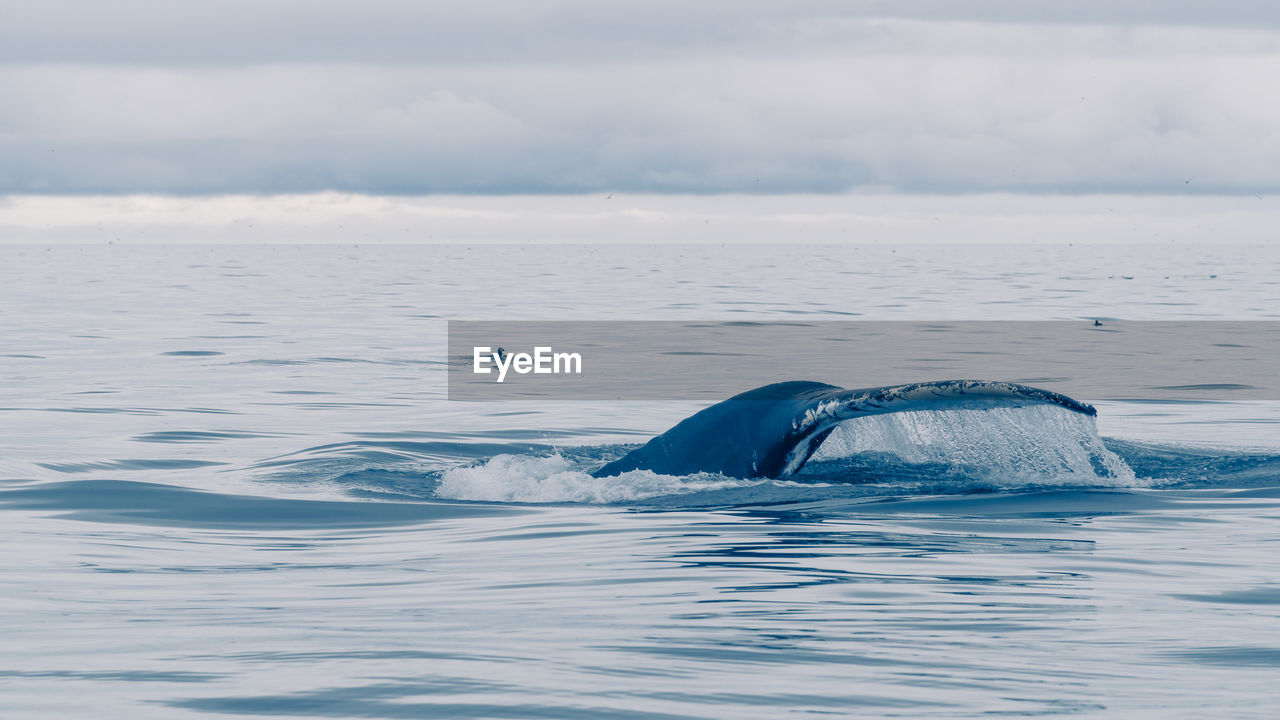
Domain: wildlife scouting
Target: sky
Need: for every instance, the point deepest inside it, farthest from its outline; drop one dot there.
(385, 105)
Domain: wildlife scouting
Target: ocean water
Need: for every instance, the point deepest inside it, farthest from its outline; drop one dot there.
(231, 485)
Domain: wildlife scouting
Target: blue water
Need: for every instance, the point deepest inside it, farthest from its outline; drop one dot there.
(231, 486)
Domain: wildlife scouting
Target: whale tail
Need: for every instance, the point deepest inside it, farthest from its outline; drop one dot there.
(772, 431)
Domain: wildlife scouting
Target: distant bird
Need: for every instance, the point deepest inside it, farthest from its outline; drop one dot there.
(1097, 323)
(610, 197)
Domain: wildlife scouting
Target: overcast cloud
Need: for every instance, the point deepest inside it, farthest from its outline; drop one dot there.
(935, 97)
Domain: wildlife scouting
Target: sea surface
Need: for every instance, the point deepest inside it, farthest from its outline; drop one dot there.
(232, 485)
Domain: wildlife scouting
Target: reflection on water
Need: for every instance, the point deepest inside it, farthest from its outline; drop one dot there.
(1058, 601)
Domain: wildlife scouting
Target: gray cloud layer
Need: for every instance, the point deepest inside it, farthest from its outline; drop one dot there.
(413, 31)
(400, 97)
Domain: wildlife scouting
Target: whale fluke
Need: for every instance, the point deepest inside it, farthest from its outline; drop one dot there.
(771, 431)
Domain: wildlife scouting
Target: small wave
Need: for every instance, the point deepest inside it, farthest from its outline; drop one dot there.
(141, 464)
(147, 503)
(199, 436)
(1199, 467)
(556, 479)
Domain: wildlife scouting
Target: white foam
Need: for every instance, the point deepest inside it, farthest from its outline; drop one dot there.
(553, 479)
(1013, 446)
(997, 448)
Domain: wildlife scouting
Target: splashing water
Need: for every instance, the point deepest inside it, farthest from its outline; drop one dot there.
(997, 446)
(955, 450)
(556, 479)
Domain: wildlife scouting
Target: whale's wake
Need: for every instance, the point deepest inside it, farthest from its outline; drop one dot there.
(958, 450)
(795, 443)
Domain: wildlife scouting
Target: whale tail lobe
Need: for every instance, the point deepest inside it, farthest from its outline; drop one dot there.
(772, 431)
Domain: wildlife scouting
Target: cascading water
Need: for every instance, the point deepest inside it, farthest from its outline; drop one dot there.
(1002, 445)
